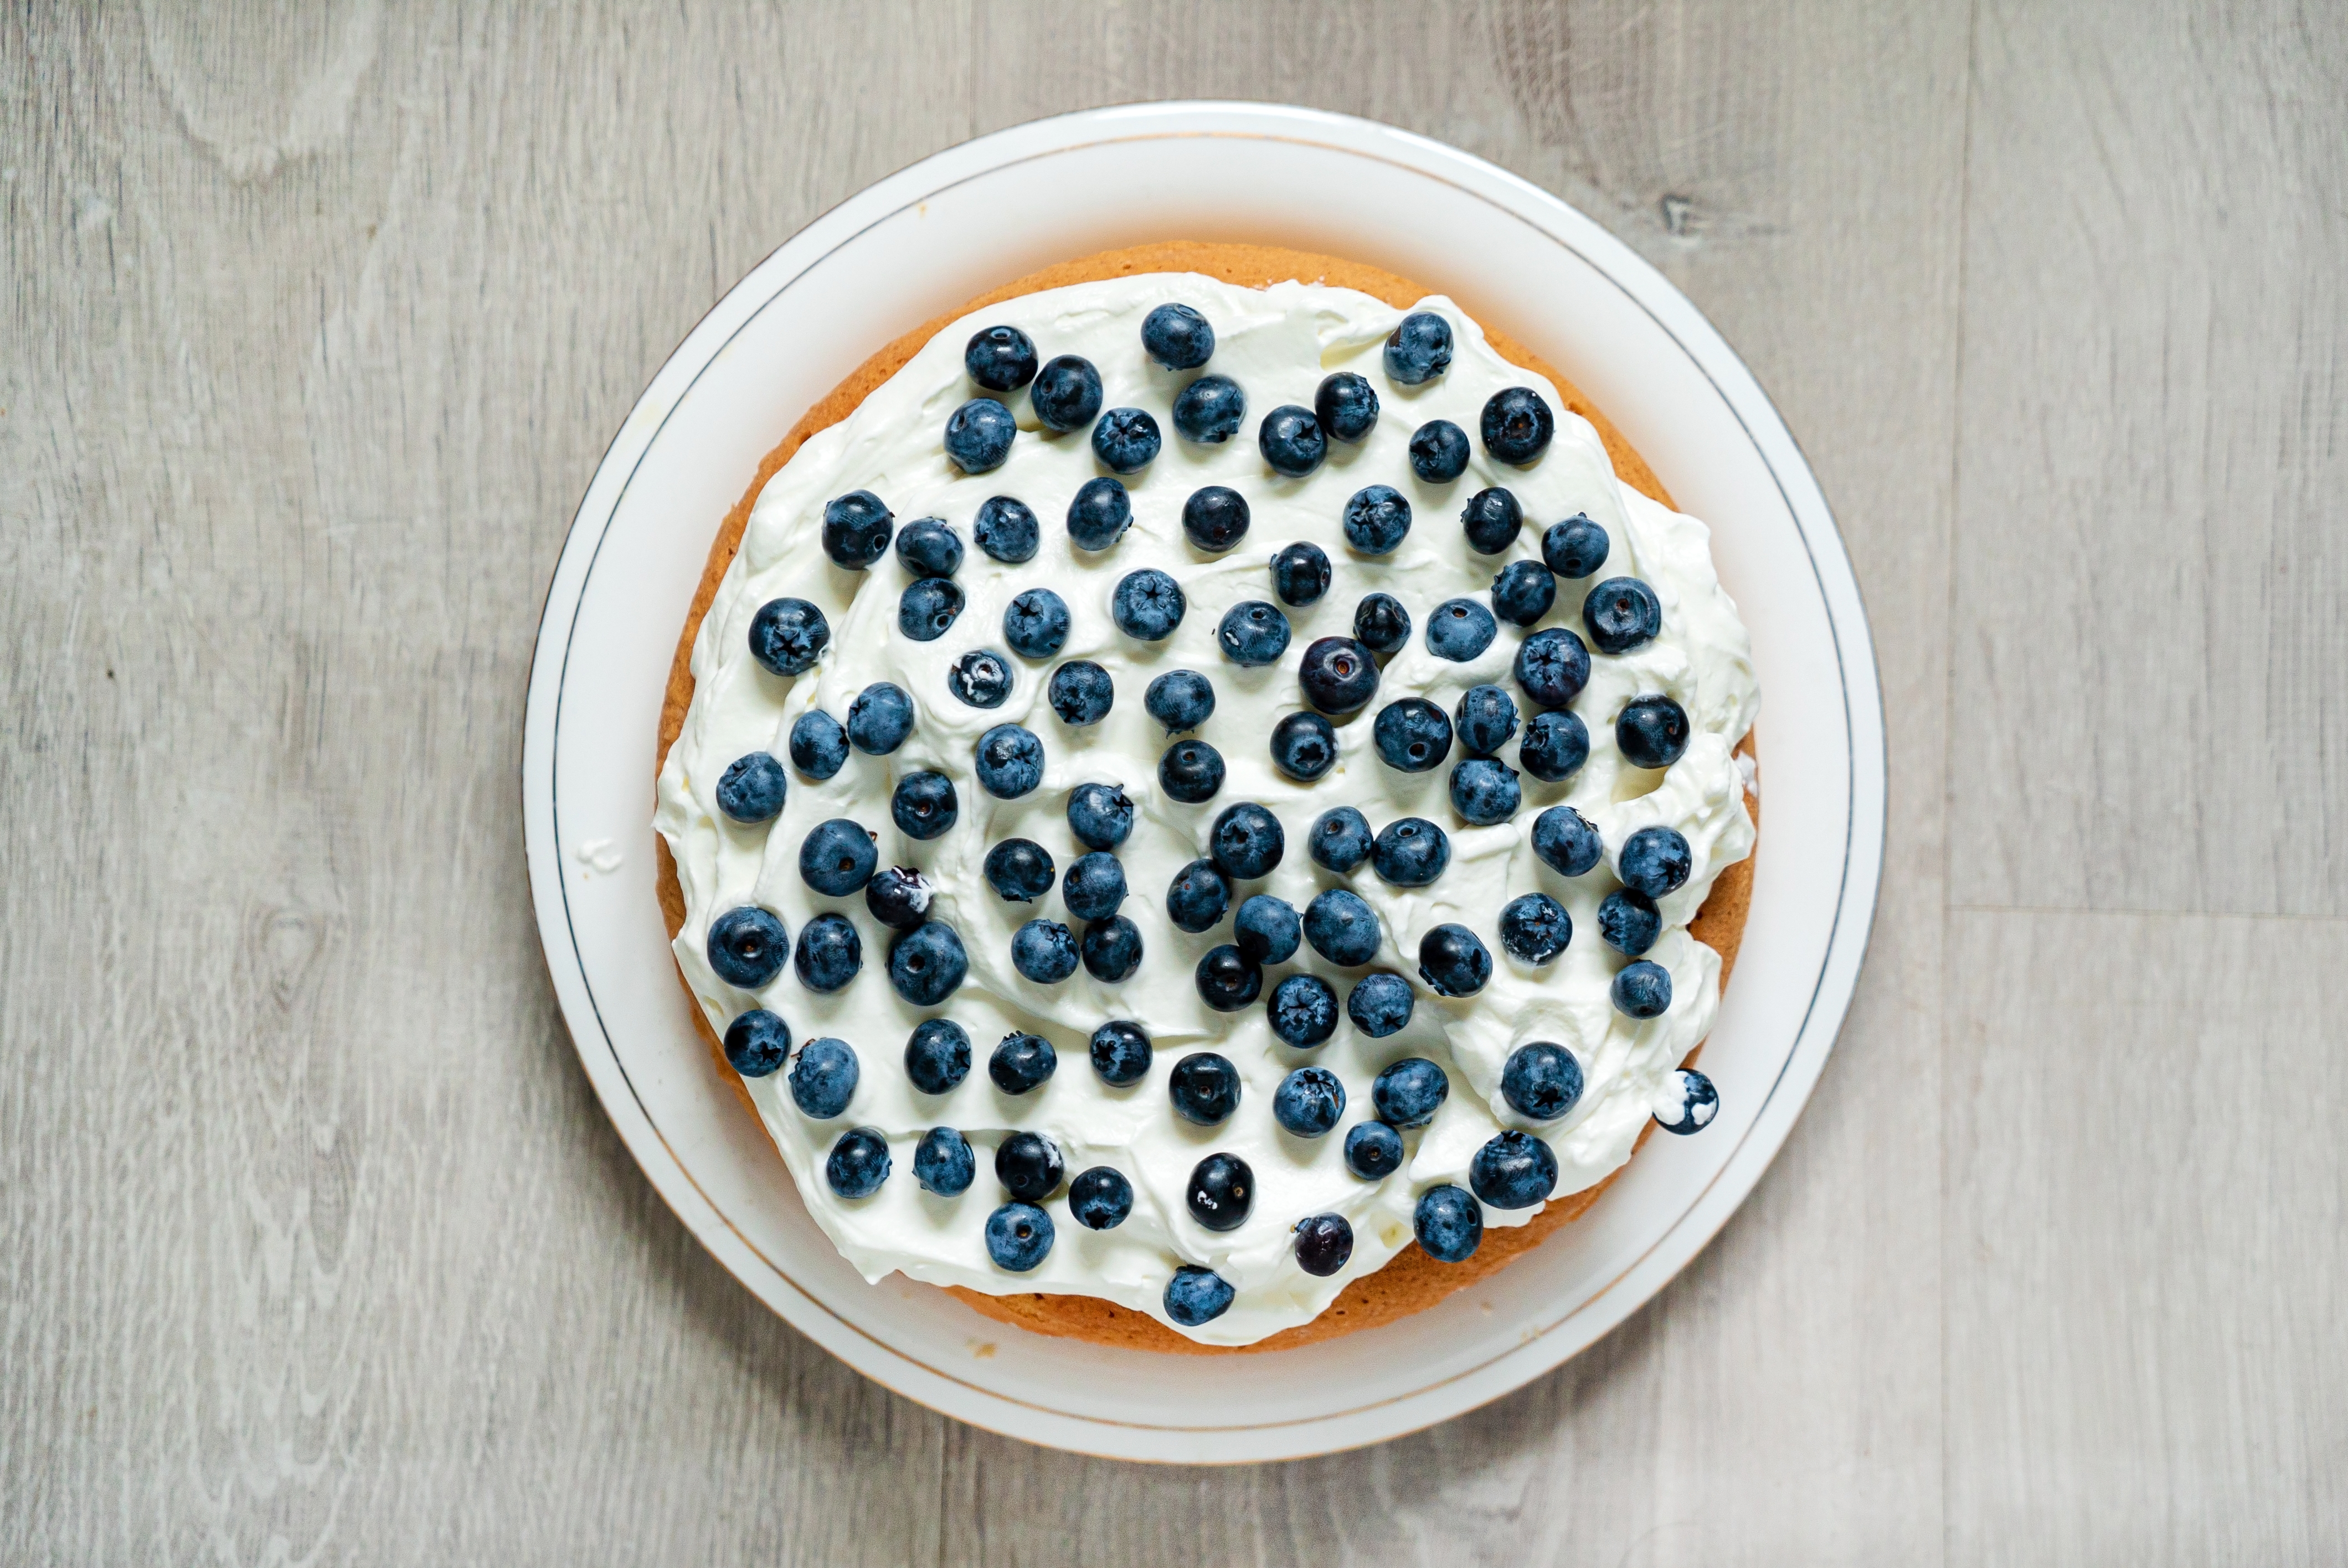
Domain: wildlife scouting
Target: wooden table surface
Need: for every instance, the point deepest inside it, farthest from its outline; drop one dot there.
(314, 1246)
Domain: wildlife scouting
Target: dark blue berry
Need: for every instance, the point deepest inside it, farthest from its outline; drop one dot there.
(1000, 359)
(1006, 529)
(1553, 667)
(859, 1162)
(1018, 1238)
(1555, 747)
(927, 547)
(1651, 731)
(1376, 519)
(1693, 1102)
(1226, 979)
(1343, 927)
(1454, 962)
(1566, 842)
(1623, 613)
(1373, 1151)
(1324, 1242)
(1337, 675)
(1629, 921)
(1067, 393)
(1180, 699)
(1148, 605)
(1196, 1296)
(1100, 815)
(1484, 791)
(1268, 929)
(1044, 952)
(1492, 519)
(1513, 1169)
(1220, 1192)
(1523, 592)
(856, 529)
(1485, 719)
(787, 635)
(837, 857)
(1410, 852)
(1028, 1164)
(1380, 1004)
(1253, 633)
(1121, 1054)
(880, 719)
(1419, 349)
(1215, 518)
(979, 679)
(1009, 761)
(1303, 1011)
(943, 1163)
(1655, 861)
(1460, 630)
(1341, 839)
(1126, 440)
(1111, 949)
(1019, 1064)
(927, 963)
(1081, 692)
(923, 805)
(1301, 574)
(928, 608)
(1643, 990)
(1535, 928)
(757, 1043)
(1176, 337)
(1035, 623)
(1099, 1199)
(1412, 734)
(1190, 772)
(1291, 441)
(1575, 548)
(1211, 410)
(1019, 871)
(1438, 452)
(1409, 1092)
(1309, 1101)
(823, 1077)
(1346, 405)
(752, 788)
(1448, 1224)
(1542, 1081)
(1381, 624)
(1304, 746)
(1198, 897)
(830, 953)
(1246, 841)
(937, 1056)
(1518, 425)
(1093, 886)
(1204, 1088)
(978, 435)
(818, 744)
(1101, 513)
(899, 898)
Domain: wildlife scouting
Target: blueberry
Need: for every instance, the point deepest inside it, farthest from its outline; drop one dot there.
(1099, 1199)
(1460, 630)
(1176, 338)
(1485, 792)
(1044, 952)
(1523, 592)
(1535, 928)
(1121, 1054)
(1180, 699)
(1553, 667)
(927, 547)
(830, 953)
(928, 608)
(1338, 675)
(1323, 1244)
(1346, 405)
(880, 719)
(1410, 852)
(1303, 1011)
(1651, 731)
(1340, 839)
(1028, 1164)
(1623, 613)
(856, 529)
(1253, 633)
(1226, 979)
(757, 1043)
(1195, 1295)
(752, 788)
(1018, 1236)
(1006, 529)
(1629, 921)
(1035, 623)
(1301, 574)
(1215, 518)
(1100, 514)
(1655, 861)
(1067, 393)
(927, 963)
(1492, 519)
(1148, 605)
(943, 1163)
(1009, 761)
(1454, 962)
(1575, 548)
(937, 1056)
(823, 1077)
(787, 635)
(1409, 1092)
(1419, 349)
(924, 805)
(1000, 359)
(1190, 772)
(1304, 746)
(1309, 1101)
(1204, 1088)
(1381, 624)
(1376, 518)
(1542, 1081)
(1198, 897)
(1111, 949)
(837, 857)
(899, 898)
(1413, 735)
(1268, 929)
(1081, 694)
(1380, 1004)
(1438, 452)
(1485, 719)
(1555, 747)
(1220, 1192)
(978, 435)
(1448, 1224)
(1518, 425)
(818, 744)
(1093, 886)
(859, 1162)
(1100, 815)
(1343, 927)
(1021, 1063)
(1373, 1151)
(1691, 1101)
(1643, 990)
(1247, 842)
(1513, 1169)
(1211, 410)
(1291, 441)
(979, 679)
(1125, 439)
(1019, 871)
(1566, 842)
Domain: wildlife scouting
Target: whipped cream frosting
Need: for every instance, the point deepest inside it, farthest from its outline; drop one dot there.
(1277, 342)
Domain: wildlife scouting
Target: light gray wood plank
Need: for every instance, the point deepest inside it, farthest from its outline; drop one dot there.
(2144, 1248)
(2152, 583)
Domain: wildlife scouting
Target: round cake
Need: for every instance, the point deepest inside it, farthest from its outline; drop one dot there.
(1204, 801)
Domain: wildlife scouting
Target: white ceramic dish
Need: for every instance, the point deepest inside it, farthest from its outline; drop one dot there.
(924, 241)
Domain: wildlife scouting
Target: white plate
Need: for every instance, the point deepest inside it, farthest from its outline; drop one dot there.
(921, 241)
